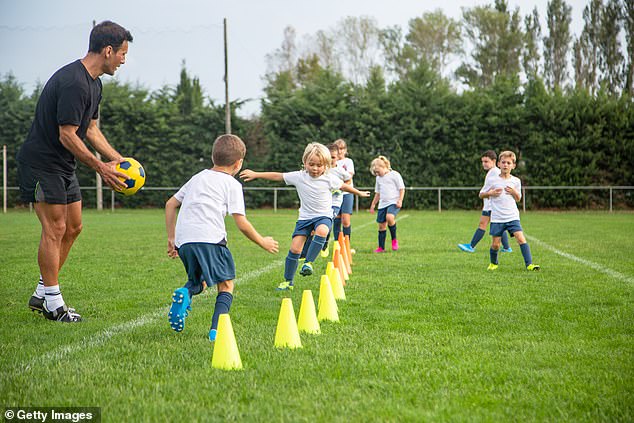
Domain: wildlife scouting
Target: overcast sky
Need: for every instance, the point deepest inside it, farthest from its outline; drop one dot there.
(39, 36)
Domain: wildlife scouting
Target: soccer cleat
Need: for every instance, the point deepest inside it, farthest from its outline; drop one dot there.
(324, 251)
(532, 267)
(306, 270)
(395, 245)
(181, 303)
(492, 266)
(467, 248)
(285, 286)
(36, 304)
(212, 334)
(61, 314)
(379, 250)
(506, 250)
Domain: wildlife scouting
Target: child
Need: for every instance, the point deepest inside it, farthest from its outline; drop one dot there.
(505, 191)
(488, 163)
(199, 237)
(314, 186)
(389, 192)
(346, 164)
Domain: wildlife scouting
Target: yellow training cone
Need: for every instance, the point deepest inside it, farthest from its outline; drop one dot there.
(338, 266)
(341, 265)
(327, 303)
(335, 282)
(226, 355)
(336, 247)
(307, 321)
(287, 334)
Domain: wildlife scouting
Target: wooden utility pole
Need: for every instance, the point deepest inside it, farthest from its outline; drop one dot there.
(98, 181)
(227, 105)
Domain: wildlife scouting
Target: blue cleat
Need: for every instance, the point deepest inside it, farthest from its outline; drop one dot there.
(307, 269)
(212, 335)
(506, 250)
(181, 303)
(467, 248)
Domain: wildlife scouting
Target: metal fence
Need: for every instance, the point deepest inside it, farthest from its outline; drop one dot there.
(439, 190)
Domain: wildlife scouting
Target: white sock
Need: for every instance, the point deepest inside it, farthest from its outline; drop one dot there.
(39, 289)
(53, 297)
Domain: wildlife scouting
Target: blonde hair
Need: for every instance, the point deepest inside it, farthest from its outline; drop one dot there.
(505, 154)
(382, 160)
(319, 151)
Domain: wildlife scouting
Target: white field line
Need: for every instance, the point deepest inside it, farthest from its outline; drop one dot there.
(591, 264)
(105, 335)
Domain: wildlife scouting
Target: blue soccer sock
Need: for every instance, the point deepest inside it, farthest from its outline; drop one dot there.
(505, 240)
(336, 227)
(347, 231)
(223, 304)
(494, 255)
(194, 289)
(290, 267)
(382, 235)
(392, 231)
(477, 236)
(315, 247)
(305, 248)
(526, 253)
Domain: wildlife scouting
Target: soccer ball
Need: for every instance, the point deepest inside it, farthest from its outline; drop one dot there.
(136, 176)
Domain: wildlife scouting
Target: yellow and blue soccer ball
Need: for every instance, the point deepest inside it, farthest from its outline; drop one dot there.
(136, 176)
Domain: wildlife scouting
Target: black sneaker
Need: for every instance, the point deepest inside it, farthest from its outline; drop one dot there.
(62, 314)
(36, 304)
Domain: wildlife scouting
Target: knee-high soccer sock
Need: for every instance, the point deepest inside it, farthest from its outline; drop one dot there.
(336, 227)
(347, 230)
(39, 289)
(53, 297)
(306, 247)
(494, 255)
(392, 231)
(382, 239)
(505, 240)
(526, 253)
(477, 236)
(194, 289)
(314, 249)
(223, 305)
(291, 266)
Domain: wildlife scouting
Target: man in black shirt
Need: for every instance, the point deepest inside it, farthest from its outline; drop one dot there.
(65, 115)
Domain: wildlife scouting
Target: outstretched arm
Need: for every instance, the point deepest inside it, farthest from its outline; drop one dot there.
(249, 175)
(170, 224)
(353, 190)
(267, 243)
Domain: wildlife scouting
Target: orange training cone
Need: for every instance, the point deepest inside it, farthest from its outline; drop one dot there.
(346, 261)
(226, 355)
(335, 282)
(307, 321)
(327, 303)
(342, 267)
(348, 249)
(287, 334)
(339, 266)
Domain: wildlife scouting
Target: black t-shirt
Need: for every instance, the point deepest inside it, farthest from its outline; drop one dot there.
(70, 97)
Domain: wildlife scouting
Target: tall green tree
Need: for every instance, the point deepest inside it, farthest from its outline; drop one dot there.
(532, 37)
(628, 17)
(586, 48)
(557, 43)
(611, 58)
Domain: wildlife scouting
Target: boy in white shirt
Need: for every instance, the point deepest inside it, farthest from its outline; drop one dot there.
(388, 192)
(342, 221)
(314, 187)
(199, 236)
(505, 190)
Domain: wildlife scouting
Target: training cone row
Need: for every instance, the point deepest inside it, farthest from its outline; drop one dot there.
(226, 355)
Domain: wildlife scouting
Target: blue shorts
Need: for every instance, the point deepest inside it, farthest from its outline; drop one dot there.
(381, 215)
(212, 263)
(347, 204)
(497, 229)
(305, 227)
(486, 213)
(335, 211)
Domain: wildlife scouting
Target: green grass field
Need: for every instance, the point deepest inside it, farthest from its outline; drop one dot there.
(426, 334)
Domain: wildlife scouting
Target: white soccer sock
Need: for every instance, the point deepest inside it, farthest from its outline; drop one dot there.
(39, 289)
(53, 297)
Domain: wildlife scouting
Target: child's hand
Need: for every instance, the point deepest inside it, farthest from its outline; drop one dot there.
(399, 204)
(372, 209)
(365, 193)
(509, 190)
(247, 175)
(496, 192)
(270, 245)
(171, 249)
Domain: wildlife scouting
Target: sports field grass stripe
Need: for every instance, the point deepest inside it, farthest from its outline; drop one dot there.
(591, 264)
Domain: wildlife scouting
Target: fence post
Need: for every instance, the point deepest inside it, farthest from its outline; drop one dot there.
(112, 200)
(274, 200)
(610, 199)
(439, 201)
(523, 199)
(4, 179)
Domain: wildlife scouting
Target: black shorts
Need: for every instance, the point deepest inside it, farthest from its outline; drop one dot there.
(40, 186)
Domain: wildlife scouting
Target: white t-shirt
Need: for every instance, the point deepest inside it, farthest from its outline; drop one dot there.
(503, 208)
(205, 200)
(337, 194)
(315, 194)
(389, 186)
(487, 201)
(347, 165)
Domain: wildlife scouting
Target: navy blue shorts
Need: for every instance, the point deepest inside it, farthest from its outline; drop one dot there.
(335, 211)
(305, 227)
(486, 213)
(211, 263)
(381, 215)
(497, 229)
(40, 186)
(347, 204)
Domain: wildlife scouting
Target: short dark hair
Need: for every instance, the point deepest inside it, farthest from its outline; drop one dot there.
(106, 34)
(333, 147)
(490, 154)
(227, 150)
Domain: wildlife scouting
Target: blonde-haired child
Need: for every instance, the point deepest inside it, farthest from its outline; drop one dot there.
(343, 220)
(388, 193)
(314, 187)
